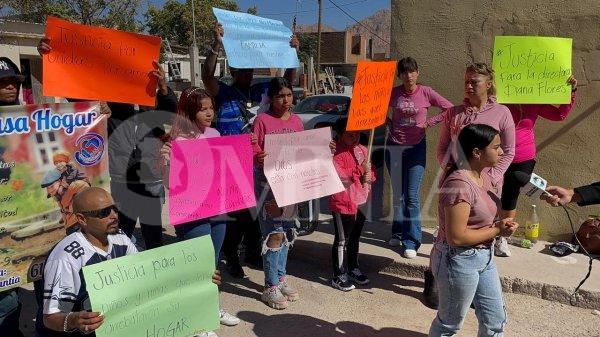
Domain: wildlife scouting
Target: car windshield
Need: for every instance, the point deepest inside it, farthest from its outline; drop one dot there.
(324, 104)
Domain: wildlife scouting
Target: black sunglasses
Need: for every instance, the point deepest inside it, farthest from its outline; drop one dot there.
(100, 213)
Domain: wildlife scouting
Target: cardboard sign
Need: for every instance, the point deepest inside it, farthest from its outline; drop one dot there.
(166, 291)
(299, 166)
(48, 153)
(532, 69)
(209, 177)
(371, 95)
(97, 63)
(254, 42)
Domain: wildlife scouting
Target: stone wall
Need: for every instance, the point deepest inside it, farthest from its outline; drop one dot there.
(444, 35)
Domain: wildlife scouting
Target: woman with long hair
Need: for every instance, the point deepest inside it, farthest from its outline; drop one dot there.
(462, 258)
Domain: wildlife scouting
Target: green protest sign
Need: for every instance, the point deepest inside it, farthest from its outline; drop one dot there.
(162, 292)
(532, 69)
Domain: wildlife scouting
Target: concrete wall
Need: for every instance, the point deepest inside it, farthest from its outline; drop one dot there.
(444, 35)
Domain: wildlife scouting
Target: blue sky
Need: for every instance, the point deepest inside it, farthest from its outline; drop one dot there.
(307, 10)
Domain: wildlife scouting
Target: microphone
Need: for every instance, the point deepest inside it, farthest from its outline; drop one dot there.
(533, 185)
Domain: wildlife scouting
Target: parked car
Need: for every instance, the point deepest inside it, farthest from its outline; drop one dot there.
(320, 111)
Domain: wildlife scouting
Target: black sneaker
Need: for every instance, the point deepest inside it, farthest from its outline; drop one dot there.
(430, 294)
(358, 277)
(236, 270)
(341, 282)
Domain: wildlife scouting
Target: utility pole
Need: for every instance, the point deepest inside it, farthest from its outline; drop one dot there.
(194, 59)
(317, 69)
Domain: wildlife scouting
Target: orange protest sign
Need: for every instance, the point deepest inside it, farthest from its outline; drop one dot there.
(97, 63)
(371, 94)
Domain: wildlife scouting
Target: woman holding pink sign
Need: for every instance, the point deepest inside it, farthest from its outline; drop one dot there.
(277, 224)
(195, 113)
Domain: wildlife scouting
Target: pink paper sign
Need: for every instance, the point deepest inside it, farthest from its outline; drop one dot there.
(210, 177)
(299, 166)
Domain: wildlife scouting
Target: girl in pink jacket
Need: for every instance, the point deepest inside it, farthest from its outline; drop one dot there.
(351, 164)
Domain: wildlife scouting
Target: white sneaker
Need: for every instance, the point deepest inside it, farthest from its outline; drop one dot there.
(206, 334)
(227, 318)
(395, 242)
(273, 297)
(410, 253)
(501, 247)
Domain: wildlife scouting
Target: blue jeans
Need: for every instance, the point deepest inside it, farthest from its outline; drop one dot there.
(196, 229)
(274, 259)
(406, 165)
(466, 275)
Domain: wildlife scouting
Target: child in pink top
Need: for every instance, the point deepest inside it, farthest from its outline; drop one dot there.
(525, 116)
(356, 173)
(406, 152)
(277, 224)
(195, 113)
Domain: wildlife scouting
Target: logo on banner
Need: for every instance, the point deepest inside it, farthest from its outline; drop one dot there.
(90, 149)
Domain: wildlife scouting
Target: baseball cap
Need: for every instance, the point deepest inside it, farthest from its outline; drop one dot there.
(9, 69)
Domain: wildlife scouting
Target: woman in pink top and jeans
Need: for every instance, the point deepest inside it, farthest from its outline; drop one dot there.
(406, 152)
(462, 257)
(525, 116)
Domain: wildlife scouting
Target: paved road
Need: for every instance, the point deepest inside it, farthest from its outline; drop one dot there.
(389, 307)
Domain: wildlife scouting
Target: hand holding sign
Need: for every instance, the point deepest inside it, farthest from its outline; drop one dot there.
(254, 42)
(156, 292)
(532, 69)
(97, 63)
(371, 95)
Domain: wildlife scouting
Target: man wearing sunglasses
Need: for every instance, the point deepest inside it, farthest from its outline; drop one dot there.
(67, 309)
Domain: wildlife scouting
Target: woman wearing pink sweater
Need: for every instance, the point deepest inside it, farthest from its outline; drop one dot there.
(525, 116)
(479, 106)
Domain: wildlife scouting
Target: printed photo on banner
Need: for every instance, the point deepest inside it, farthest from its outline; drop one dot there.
(209, 177)
(47, 154)
(254, 42)
(299, 166)
(96, 63)
(371, 95)
(532, 69)
(166, 291)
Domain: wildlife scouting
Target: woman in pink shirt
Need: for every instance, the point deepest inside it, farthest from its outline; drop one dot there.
(462, 257)
(406, 152)
(356, 173)
(525, 116)
(479, 106)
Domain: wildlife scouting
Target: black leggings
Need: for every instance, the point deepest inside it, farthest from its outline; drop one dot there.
(348, 228)
(242, 226)
(511, 187)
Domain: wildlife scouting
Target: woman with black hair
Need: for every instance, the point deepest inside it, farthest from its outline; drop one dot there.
(277, 224)
(462, 259)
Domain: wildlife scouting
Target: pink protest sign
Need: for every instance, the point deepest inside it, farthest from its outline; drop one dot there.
(210, 177)
(299, 166)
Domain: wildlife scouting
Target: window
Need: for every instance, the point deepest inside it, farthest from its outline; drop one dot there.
(44, 156)
(356, 45)
(51, 136)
